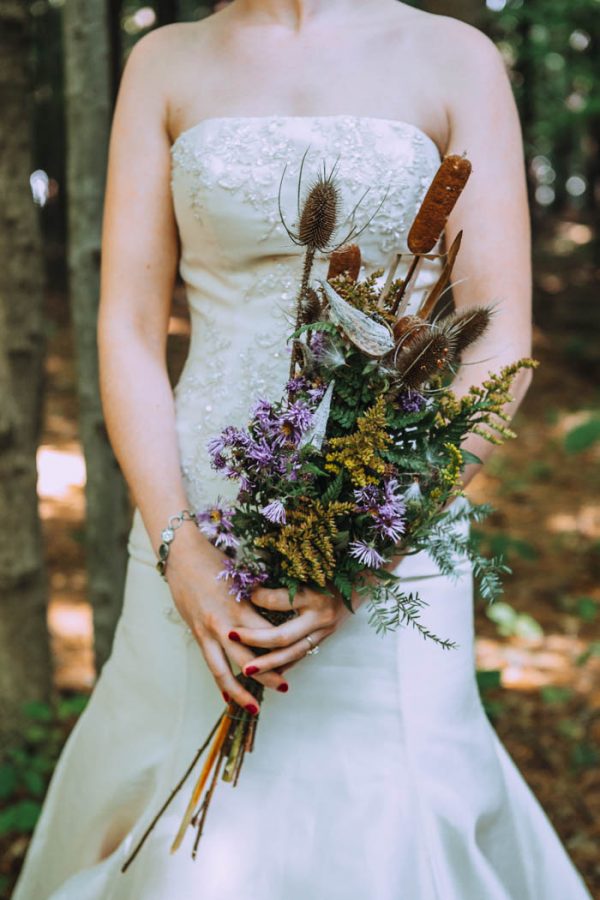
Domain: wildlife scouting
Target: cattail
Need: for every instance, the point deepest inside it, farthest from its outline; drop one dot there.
(318, 218)
(407, 328)
(346, 259)
(444, 191)
(467, 326)
(428, 356)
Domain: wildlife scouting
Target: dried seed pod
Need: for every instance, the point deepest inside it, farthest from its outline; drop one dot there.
(467, 326)
(318, 218)
(406, 329)
(444, 191)
(429, 355)
(311, 307)
(345, 259)
(443, 281)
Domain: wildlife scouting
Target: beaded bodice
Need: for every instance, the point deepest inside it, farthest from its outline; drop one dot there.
(242, 270)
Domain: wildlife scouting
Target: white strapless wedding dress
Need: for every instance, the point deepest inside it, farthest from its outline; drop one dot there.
(378, 776)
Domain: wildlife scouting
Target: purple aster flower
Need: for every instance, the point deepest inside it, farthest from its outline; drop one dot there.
(263, 415)
(366, 554)
(386, 506)
(295, 385)
(411, 401)
(388, 522)
(260, 454)
(215, 522)
(243, 579)
(274, 512)
(218, 461)
(316, 342)
(295, 420)
(367, 497)
(316, 392)
(235, 439)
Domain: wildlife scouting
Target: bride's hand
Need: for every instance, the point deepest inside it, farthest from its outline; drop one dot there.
(212, 613)
(318, 616)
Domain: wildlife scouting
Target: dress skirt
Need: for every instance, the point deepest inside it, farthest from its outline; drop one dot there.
(376, 777)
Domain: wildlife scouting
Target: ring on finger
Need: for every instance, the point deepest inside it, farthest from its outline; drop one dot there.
(314, 648)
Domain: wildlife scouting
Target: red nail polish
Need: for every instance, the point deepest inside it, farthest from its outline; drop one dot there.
(283, 687)
(251, 708)
(251, 670)
(234, 636)
(226, 697)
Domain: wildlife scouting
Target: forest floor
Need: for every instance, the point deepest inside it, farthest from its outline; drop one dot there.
(540, 659)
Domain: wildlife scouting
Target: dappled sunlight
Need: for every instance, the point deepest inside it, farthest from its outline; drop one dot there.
(71, 629)
(527, 665)
(584, 521)
(61, 476)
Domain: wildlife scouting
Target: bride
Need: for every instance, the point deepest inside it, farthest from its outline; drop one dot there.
(377, 775)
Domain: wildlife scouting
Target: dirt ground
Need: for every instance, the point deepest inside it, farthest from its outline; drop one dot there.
(546, 520)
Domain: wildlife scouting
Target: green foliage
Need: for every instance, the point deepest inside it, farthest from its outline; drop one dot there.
(25, 769)
(555, 695)
(511, 623)
(583, 436)
(551, 47)
(489, 681)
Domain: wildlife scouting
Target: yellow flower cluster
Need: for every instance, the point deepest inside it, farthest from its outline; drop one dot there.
(306, 541)
(449, 475)
(359, 453)
(364, 295)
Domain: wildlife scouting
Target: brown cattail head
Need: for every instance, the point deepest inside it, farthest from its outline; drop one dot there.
(444, 191)
(345, 259)
(428, 355)
(311, 306)
(407, 329)
(318, 218)
(467, 326)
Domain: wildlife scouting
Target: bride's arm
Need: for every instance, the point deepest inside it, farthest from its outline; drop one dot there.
(139, 260)
(494, 263)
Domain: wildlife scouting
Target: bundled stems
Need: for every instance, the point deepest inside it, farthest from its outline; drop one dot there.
(300, 302)
(171, 796)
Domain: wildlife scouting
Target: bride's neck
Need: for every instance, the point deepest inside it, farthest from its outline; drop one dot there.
(295, 14)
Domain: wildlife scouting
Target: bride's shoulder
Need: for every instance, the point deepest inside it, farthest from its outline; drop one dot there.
(454, 46)
(163, 47)
(445, 43)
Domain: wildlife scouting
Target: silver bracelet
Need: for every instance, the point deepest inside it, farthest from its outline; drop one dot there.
(167, 535)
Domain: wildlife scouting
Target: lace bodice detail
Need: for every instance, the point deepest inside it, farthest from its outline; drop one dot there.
(240, 267)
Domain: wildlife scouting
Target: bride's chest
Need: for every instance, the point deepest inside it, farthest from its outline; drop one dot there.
(237, 180)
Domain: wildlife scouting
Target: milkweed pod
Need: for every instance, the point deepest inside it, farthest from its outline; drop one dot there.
(439, 201)
(365, 333)
(346, 259)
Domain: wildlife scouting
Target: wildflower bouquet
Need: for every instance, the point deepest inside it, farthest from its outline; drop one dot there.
(360, 459)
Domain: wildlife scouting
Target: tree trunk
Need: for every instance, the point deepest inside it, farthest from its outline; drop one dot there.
(25, 673)
(88, 111)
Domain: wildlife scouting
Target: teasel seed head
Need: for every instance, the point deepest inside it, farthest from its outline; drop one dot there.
(346, 259)
(467, 326)
(318, 218)
(407, 329)
(429, 355)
